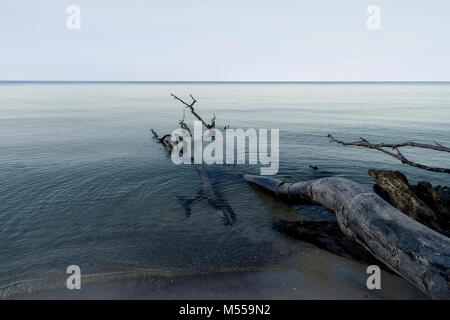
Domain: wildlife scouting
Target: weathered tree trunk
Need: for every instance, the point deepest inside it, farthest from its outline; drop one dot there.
(414, 251)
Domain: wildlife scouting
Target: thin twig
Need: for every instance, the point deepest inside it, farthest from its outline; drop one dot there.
(155, 135)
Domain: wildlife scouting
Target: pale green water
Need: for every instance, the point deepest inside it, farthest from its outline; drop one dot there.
(82, 182)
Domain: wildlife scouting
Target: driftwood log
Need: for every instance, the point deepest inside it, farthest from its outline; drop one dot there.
(414, 251)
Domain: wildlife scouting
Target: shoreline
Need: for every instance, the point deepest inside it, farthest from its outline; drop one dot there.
(333, 278)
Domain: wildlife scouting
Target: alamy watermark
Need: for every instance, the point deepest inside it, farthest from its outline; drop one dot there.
(188, 149)
(374, 17)
(374, 280)
(74, 19)
(74, 280)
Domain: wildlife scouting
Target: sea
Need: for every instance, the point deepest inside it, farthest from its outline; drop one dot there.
(83, 182)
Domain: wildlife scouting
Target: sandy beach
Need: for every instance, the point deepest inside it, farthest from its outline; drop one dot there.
(333, 278)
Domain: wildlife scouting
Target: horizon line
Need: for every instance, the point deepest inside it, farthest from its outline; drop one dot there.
(227, 81)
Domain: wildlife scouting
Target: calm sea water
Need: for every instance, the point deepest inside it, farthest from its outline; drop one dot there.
(82, 181)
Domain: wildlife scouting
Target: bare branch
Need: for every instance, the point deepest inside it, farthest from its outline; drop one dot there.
(364, 143)
(155, 135)
(437, 147)
(191, 107)
(363, 140)
(438, 144)
(164, 141)
(164, 138)
(183, 102)
(183, 125)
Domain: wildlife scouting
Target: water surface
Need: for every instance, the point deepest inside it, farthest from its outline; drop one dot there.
(82, 181)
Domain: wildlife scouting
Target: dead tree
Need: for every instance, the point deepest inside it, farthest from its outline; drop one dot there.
(207, 190)
(396, 147)
(414, 251)
(165, 139)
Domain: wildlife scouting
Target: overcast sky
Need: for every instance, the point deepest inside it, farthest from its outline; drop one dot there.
(320, 40)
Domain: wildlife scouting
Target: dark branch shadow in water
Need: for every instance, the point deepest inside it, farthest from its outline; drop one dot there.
(209, 191)
(213, 176)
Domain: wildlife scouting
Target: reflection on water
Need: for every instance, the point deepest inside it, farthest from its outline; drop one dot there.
(83, 182)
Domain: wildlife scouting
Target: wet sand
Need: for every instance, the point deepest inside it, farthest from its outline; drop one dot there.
(333, 278)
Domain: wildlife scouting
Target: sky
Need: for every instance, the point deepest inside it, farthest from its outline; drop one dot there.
(227, 40)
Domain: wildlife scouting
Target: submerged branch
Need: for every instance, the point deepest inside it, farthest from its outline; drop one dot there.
(163, 140)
